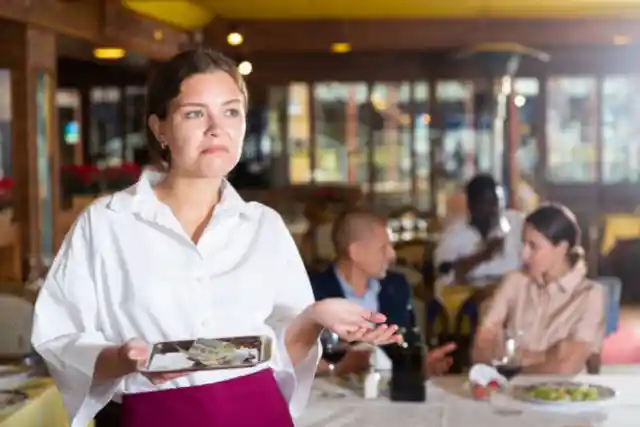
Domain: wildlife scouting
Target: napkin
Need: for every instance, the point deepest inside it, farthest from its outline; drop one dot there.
(484, 374)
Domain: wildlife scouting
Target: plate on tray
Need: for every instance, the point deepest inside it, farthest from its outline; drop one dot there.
(208, 354)
(10, 399)
(563, 393)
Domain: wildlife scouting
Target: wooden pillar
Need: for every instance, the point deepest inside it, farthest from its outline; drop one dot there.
(31, 58)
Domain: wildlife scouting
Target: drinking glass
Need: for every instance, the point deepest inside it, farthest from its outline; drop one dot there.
(333, 348)
(508, 360)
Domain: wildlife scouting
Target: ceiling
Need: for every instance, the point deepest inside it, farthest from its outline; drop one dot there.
(194, 14)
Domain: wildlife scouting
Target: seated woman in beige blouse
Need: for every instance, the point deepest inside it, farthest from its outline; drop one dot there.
(555, 312)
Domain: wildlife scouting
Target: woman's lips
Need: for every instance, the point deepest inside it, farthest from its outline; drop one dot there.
(216, 149)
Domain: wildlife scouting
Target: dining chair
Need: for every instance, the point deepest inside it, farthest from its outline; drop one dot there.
(466, 323)
(16, 321)
(613, 286)
(437, 323)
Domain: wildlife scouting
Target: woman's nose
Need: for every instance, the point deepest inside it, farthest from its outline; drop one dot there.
(213, 126)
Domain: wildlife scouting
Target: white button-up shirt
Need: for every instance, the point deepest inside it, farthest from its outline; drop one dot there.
(460, 240)
(127, 269)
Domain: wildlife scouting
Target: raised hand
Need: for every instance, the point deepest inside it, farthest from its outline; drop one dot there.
(353, 323)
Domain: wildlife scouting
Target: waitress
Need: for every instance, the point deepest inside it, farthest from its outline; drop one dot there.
(180, 255)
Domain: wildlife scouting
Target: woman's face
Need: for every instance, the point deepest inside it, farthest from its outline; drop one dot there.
(539, 254)
(205, 126)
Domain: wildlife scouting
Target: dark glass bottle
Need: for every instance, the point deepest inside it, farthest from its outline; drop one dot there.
(407, 374)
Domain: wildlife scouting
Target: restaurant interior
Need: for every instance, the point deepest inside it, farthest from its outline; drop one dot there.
(393, 106)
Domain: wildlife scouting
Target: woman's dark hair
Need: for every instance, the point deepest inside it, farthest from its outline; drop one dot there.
(167, 77)
(558, 224)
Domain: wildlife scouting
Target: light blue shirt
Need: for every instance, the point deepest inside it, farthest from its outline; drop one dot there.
(368, 300)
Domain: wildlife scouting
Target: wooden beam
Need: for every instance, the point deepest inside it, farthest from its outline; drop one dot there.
(282, 68)
(104, 22)
(420, 34)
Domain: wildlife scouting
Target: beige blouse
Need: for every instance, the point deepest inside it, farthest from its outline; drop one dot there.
(571, 308)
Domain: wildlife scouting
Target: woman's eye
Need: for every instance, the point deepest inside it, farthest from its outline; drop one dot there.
(195, 114)
(232, 112)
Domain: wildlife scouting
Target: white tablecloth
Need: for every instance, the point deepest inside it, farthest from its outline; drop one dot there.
(449, 404)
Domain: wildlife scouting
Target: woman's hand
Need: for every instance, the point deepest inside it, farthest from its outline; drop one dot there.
(353, 323)
(134, 355)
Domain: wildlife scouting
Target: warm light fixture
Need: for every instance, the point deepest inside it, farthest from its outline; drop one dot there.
(341, 47)
(245, 68)
(234, 38)
(520, 100)
(109, 53)
(158, 35)
(621, 40)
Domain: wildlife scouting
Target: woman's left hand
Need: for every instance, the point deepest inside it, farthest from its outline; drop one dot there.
(353, 323)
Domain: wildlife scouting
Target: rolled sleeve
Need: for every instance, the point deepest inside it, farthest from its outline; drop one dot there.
(65, 330)
(293, 296)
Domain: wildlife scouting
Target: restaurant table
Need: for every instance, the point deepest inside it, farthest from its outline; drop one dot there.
(43, 409)
(449, 404)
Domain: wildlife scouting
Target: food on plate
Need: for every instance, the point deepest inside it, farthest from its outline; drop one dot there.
(564, 393)
(211, 352)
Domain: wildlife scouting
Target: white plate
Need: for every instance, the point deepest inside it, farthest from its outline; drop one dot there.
(521, 392)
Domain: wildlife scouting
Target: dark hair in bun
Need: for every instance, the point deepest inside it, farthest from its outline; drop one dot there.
(558, 224)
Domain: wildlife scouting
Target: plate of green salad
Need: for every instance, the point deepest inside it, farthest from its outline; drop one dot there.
(563, 392)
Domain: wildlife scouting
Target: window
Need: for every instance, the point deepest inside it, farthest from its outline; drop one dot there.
(620, 109)
(299, 133)
(422, 145)
(571, 129)
(391, 123)
(341, 115)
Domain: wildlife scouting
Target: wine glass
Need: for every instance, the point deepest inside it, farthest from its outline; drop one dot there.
(507, 360)
(333, 348)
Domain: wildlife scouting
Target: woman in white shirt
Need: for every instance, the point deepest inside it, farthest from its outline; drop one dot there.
(178, 256)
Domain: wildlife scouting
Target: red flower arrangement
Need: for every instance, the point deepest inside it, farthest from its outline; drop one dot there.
(6, 192)
(120, 177)
(79, 179)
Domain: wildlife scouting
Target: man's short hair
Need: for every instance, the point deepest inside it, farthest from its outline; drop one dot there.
(353, 225)
(480, 185)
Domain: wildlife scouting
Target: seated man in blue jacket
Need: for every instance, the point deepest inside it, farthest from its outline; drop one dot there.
(363, 254)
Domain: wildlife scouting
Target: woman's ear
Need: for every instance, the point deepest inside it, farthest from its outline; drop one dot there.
(563, 247)
(157, 128)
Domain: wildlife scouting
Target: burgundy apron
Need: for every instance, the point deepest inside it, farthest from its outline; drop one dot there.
(249, 401)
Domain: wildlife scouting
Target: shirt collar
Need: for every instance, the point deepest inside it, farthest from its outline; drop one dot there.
(141, 199)
(373, 285)
(572, 280)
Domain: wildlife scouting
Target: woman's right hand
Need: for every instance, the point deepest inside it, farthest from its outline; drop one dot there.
(134, 355)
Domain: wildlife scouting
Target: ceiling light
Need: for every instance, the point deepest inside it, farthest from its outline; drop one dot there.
(234, 38)
(245, 68)
(109, 53)
(341, 47)
(621, 40)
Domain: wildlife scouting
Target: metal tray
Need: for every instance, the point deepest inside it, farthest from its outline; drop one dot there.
(174, 356)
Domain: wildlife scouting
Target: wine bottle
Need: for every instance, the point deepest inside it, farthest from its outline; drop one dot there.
(407, 374)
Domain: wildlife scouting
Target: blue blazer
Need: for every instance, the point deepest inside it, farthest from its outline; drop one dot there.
(394, 299)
